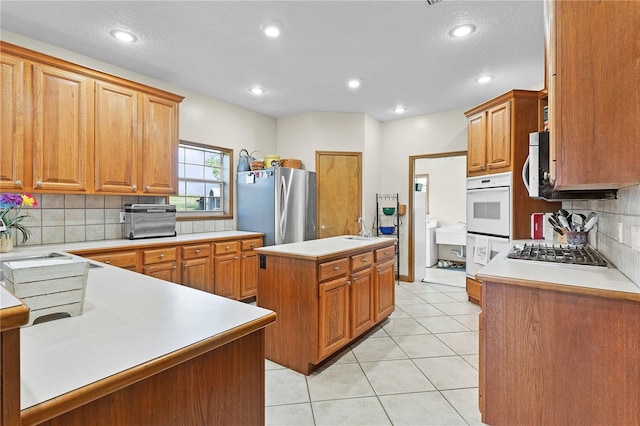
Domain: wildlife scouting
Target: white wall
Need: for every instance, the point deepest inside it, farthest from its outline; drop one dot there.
(447, 187)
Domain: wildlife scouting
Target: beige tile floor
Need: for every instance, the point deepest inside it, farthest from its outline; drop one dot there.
(419, 367)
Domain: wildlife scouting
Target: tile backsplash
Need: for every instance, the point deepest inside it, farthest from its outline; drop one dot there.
(616, 218)
(73, 218)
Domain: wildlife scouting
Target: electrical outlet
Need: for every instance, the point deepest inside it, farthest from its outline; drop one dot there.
(122, 217)
(620, 232)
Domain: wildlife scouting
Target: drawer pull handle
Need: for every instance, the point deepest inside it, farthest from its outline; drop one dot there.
(226, 248)
(108, 262)
(336, 268)
(197, 251)
(161, 255)
(364, 260)
(386, 253)
(253, 245)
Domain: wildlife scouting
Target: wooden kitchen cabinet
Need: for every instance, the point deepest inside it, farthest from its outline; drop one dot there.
(249, 267)
(62, 129)
(197, 267)
(498, 132)
(594, 93)
(123, 259)
(162, 264)
(334, 301)
(117, 136)
(226, 269)
(63, 125)
(12, 122)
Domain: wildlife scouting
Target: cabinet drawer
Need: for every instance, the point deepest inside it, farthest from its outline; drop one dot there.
(251, 244)
(385, 253)
(125, 259)
(195, 251)
(361, 260)
(159, 255)
(227, 247)
(335, 268)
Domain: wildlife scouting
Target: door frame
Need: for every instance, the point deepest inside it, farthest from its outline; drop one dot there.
(411, 248)
(356, 154)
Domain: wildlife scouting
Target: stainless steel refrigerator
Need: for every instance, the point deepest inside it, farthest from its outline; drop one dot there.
(280, 202)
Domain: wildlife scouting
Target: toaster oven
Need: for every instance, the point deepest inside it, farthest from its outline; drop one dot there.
(149, 220)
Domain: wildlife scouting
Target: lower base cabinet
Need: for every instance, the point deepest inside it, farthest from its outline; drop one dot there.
(474, 291)
(323, 305)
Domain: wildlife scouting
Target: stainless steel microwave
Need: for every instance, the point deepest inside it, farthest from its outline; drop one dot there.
(536, 177)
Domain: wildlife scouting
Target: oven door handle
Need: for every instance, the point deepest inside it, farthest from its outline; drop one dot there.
(492, 189)
(525, 173)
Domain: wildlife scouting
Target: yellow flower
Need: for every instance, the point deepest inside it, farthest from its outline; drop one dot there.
(27, 200)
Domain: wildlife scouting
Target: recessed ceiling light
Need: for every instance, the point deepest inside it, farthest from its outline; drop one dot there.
(123, 36)
(257, 90)
(484, 79)
(354, 83)
(272, 29)
(462, 30)
(400, 110)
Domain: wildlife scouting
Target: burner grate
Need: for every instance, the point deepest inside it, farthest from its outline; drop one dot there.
(559, 253)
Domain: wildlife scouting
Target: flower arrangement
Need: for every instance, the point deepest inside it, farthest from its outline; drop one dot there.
(11, 213)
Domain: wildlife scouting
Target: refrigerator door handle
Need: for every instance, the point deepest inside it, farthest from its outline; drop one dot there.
(284, 207)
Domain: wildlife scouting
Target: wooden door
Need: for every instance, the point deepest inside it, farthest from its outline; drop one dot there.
(334, 315)
(225, 275)
(339, 193)
(499, 137)
(196, 273)
(167, 271)
(362, 301)
(12, 122)
(117, 139)
(384, 289)
(477, 138)
(62, 127)
(159, 146)
(248, 274)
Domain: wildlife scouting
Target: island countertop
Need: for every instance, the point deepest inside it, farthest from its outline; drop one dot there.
(326, 247)
(129, 321)
(593, 280)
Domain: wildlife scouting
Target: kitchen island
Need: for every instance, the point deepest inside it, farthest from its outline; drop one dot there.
(558, 344)
(144, 352)
(327, 293)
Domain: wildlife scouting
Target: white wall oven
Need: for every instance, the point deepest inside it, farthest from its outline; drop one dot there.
(489, 218)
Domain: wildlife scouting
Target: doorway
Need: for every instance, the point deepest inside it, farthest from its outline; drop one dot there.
(339, 193)
(424, 171)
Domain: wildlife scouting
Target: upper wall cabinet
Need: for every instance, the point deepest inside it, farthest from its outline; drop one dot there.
(593, 57)
(70, 129)
(498, 132)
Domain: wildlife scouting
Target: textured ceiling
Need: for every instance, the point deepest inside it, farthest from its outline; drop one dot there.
(401, 49)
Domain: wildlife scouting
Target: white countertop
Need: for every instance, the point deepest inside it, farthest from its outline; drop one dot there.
(128, 319)
(575, 277)
(7, 300)
(313, 249)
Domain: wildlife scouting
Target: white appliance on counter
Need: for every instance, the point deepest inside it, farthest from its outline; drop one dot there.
(489, 218)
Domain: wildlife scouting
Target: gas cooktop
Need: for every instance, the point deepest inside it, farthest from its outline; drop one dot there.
(558, 253)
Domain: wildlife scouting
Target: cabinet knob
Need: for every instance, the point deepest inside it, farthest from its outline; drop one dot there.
(175, 267)
(134, 187)
(226, 248)
(354, 279)
(244, 257)
(236, 257)
(38, 184)
(197, 251)
(348, 282)
(364, 260)
(108, 262)
(147, 188)
(18, 183)
(336, 268)
(161, 255)
(253, 245)
(186, 265)
(386, 253)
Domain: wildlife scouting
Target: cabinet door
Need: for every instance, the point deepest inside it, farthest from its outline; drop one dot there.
(12, 122)
(196, 273)
(225, 275)
(499, 137)
(477, 153)
(159, 146)
(167, 271)
(362, 301)
(248, 274)
(62, 127)
(117, 139)
(334, 315)
(384, 292)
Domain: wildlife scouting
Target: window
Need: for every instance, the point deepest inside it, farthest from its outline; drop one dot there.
(203, 180)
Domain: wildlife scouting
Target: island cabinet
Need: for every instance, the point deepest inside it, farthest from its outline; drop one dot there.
(105, 118)
(323, 302)
(558, 355)
(594, 93)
